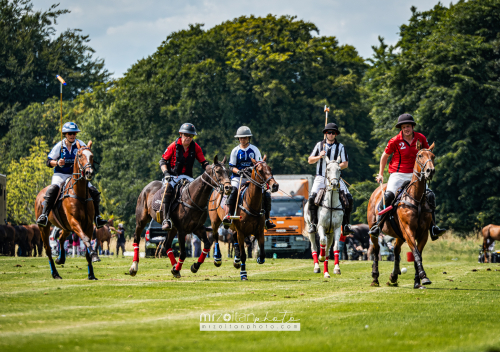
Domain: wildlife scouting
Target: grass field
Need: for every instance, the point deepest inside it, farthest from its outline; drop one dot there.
(459, 312)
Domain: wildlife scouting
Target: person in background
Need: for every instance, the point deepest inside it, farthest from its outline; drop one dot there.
(120, 239)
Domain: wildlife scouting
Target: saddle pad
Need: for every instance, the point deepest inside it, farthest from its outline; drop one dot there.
(400, 192)
(157, 198)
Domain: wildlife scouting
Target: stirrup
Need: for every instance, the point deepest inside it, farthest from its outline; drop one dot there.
(166, 225)
(99, 222)
(374, 231)
(436, 232)
(42, 220)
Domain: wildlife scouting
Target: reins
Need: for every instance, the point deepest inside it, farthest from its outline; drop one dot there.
(262, 185)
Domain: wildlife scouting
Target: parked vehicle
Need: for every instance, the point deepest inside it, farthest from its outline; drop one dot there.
(286, 239)
(154, 238)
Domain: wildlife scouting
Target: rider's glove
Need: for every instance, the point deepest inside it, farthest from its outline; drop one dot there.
(244, 171)
(166, 176)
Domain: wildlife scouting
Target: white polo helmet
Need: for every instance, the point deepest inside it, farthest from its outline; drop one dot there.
(243, 131)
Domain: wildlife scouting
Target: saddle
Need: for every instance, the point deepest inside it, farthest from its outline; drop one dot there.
(64, 193)
(321, 194)
(157, 204)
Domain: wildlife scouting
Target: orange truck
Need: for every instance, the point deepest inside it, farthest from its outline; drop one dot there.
(287, 213)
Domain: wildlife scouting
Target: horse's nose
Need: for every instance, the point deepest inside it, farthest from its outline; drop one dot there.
(227, 189)
(275, 187)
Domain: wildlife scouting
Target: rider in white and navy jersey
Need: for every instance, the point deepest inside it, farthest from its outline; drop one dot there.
(241, 159)
(62, 161)
(333, 149)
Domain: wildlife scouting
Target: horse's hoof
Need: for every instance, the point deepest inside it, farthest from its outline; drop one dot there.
(326, 275)
(426, 281)
(261, 261)
(59, 262)
(392, 284)
(237, 265)
(57, 277)
(95, 258)
(217, 263)
(244, 278)
(336, 271)
(419, 287)
(375, 284)
(133, 269)
(194, 270)
(317, 270)
(92, 278)
(176, 273)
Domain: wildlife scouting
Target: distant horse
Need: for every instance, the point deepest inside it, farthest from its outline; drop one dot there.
(188, 217)
(30, 235)
(36, 242)
(330, 214)
(228, 238)
(22, 240)
(103, 235)
(491, 233)
(251, 221)
(9, 240)
(76, 212)
(412, 217)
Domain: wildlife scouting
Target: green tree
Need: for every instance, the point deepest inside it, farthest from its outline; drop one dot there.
(32, 55)
(26, 178)
(445, 72)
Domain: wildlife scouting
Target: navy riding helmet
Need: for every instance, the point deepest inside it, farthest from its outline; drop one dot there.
(188, 128)
(70, 127)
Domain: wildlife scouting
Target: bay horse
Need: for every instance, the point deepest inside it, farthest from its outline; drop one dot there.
(413, 218)
(76, 213)
(330, 214)
(251, 220)
(491, 233)
(102, 235)
(188, 217)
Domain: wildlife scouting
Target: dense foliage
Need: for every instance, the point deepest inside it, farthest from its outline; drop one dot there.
(446, 72)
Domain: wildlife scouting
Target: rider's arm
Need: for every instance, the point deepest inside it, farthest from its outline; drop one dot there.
(344, 158)
(383, 162)
(316, 155)
(165, 158)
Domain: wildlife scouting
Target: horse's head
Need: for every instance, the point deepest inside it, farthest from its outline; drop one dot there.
(424, 163)
(218, 174)
(264, 174)
(85, 161)
(332, 174)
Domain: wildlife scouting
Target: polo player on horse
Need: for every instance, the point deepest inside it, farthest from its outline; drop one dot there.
(240, 163)
(403, 148)
(62, 158)
(177, 164)
(333, 148)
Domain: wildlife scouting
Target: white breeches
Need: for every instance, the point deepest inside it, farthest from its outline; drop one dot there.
(319, 183)
(396, 179)
(58, 178)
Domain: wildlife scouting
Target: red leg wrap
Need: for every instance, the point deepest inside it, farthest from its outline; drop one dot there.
(315, 257)
(322, 250)
(136, 252)
(178, 267)
(326, 265)
(336, 255)
(203, 255)
(171, 256)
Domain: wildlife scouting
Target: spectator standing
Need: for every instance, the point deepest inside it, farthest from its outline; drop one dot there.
(120, 239)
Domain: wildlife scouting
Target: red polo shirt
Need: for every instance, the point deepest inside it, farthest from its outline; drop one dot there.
(169, 154)
(404, 153)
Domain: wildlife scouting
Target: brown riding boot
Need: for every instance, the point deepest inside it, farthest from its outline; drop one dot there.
(166, 225)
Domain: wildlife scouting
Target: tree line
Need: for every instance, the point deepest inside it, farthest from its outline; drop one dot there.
(275, 74)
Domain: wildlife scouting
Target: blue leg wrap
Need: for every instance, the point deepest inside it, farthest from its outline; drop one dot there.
(243, 272)
(261, 262)
(217, 254)
(52, 267)
(62, 256)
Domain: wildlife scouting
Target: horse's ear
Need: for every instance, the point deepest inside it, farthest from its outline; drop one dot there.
(419, 145)
(78, 145)
(264, 158)
(224, 160)
(327, 159)
(216, 159)
(339, 159)
(253, 161)
(89, 145)
(432, 146)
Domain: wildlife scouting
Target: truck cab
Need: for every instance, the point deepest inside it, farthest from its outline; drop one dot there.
(287, 238)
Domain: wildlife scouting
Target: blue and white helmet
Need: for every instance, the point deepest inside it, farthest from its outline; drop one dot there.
(70, 127)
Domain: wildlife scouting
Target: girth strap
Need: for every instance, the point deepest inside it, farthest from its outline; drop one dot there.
(79, 198)
(249, 212)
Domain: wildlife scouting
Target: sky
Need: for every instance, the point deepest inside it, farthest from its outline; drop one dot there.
(125, 31)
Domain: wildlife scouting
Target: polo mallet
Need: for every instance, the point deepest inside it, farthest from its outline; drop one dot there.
(235, 217)
(327, 109)
(63, 82)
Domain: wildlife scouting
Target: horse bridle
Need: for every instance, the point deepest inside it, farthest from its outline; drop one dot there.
(219, 186)
(262, 185)
(82, 168)
(331, 180)
(422, 166)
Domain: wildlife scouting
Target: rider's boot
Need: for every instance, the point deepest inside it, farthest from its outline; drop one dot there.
(267, 203)
(436, 232)
(231, 206)
(313, 214)
(346, 227)
(48, 203)
(95, 194)
(389, 198)
(166, 225)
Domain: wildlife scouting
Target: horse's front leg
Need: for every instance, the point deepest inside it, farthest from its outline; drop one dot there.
(243, 270)
(337, 232)
(45, 233)
(61, 259)
(176, 270)
(397, 261)
(419, 267)
(85, 237)
(314, 252)
(322, 242)
(217, 253)
(237, 251)
(206, 249)
(261, 259)
(376, 251)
